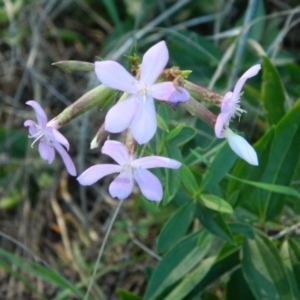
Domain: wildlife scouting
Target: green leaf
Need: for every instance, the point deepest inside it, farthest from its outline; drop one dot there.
(181, 135)
(281, 189)
(175, 227)
(111, 7)
(189, 181)
(13, 142)
(257, 29)
(189, 282)
(41, 272)
(220, 166)
(237, 287)
(161, 124)
(172, 176)
(150, 206)
(127, 295)
(9, 268)
(278, 159)
(197, 48)
(290, 253)
(214, 222)
(177, 263)
(227, 259)
(264, 270)
(273, 92)
(215, 203)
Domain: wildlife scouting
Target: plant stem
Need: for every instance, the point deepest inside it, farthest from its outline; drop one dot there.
(102, 248)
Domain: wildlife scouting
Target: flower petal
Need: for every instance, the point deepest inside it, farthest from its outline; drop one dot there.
(117, 151)
(40, 114)
(149, 184)
(179, 96)
(155, 162)
(115, 76)
(66, 158)
(120, 116)
(222, 120)
(166, 91)
(241, 147)
(94, 173)
(46, 152)
(154, 62)
(248, 74)
(144, 123)
(56, 137)
(122, 185)
(32, 127)
(226, 106)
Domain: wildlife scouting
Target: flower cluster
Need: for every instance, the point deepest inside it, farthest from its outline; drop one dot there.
(135, 111)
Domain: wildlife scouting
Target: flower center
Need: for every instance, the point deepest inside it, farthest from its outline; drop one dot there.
(40, 135)
(235, 109)
(126, 168)
(143, 90)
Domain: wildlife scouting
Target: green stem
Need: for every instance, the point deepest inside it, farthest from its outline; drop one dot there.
(102, 249)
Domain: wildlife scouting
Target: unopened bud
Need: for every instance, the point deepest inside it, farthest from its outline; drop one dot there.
(100, 137)
(100, 95)
(75, 65)
(202, 94)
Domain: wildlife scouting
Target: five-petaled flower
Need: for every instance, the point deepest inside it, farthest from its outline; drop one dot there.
(130, 169)
(138, 110)
(49, 138)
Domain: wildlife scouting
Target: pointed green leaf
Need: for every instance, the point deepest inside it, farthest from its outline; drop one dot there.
(177, 263)
(277, 156)
(220, 166)
(270, 187)
(161, 124)
(175, 227)
(264, 270)
(237, 287)
(181, 135)
(190, 281)
(127, 295)
(290, 253)
(172, 176)
(214, 222)
(40, 271)
(273, 92)
(189, 181)
(215, 203)
(227, 260)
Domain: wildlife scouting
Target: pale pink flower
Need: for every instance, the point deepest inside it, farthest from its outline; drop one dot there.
(230, 104)
(49, 138)
(241, 147)
(130, 169)
(138, 110)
